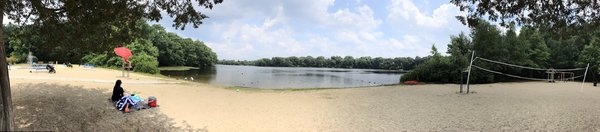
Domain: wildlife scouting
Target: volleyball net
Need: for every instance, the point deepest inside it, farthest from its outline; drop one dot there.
(531, 73)
(525, 72)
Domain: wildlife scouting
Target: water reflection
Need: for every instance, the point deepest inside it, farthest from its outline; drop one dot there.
(285, 77)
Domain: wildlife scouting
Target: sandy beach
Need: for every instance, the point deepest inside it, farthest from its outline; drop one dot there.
(561, 106)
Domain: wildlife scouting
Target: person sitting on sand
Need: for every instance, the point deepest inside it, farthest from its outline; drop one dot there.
(117, 91)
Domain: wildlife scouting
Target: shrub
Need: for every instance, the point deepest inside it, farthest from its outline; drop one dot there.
(144, 63)
(96, 59)
(13, 60)
(115, 61)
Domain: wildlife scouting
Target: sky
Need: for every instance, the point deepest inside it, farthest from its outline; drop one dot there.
(254, 29)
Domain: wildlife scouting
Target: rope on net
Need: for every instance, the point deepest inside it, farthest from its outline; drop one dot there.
(531, 68)
(515, 76)
(510, 75)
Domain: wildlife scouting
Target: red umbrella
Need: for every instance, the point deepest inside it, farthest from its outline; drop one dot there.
(123, 52)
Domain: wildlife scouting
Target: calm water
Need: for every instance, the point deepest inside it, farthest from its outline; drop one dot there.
(287, 77)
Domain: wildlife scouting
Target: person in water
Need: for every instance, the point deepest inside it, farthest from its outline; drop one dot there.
(117, 91)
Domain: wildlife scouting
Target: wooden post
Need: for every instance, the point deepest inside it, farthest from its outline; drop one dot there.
(469, 68)
(128, 68)
(123, 69)
(6, 117)
(584, 75)
(461, 81)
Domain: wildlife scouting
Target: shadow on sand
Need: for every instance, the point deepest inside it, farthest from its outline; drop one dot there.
(53, 107)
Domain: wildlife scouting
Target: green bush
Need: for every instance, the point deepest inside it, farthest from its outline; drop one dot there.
(13, 60)
(96, 59)
(437, 69)
(141, 63)
(114, 61)
(103, 60)
(444, 69)
(144, 63)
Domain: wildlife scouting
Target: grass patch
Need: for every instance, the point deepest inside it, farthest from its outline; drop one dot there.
(176, 68)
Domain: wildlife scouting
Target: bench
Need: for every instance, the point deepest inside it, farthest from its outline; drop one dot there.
(36, 67)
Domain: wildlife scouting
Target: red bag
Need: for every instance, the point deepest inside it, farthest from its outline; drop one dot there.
(152, 103)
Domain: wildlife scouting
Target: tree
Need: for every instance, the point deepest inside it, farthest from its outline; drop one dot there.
(459, 45)
(487, 43)
(89, 21)
(171, 51)
(516, 48)
(320, 61)
(460, 49)
(348, 62)
(560, 17)
(363, 62)
(537, 52)
(590, 54)
(436, 69)
(295, 61)
(197, 54)
(563, 52)
(335, 61)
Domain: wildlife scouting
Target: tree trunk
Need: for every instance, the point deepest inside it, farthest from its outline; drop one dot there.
(6, 118)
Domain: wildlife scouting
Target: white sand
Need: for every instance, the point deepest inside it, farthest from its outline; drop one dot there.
(502, 106)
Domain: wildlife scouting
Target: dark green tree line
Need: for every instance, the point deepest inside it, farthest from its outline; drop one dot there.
(365, 62)
(531, 48)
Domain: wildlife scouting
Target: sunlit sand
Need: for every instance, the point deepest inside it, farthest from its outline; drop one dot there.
(561, 106)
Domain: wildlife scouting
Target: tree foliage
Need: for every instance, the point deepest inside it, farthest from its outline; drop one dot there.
(560, 17)
(67, 30)
(591, 55)
(436, 69)
(166, 48)
(537, 53)
(527, 48)
(365, 62)
(89, 25)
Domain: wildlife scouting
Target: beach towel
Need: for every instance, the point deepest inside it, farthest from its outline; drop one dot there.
(123, 103)
(136, 98)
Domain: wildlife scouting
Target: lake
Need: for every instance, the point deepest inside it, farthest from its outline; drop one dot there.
(287, 77)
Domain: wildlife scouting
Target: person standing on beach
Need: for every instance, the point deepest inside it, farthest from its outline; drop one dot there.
(117, 91)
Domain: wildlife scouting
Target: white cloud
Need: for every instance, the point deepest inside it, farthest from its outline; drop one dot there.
(362, 19)
(248, 30)
(373, 44)
(246, 41)
(406, 10)
(430, 26)
(278, 33)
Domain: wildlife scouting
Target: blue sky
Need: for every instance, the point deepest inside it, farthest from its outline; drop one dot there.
(254, 29)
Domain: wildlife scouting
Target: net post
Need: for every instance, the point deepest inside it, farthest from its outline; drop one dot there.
(584, 75)
(461, 81)
(469, 68)
(123, 69)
